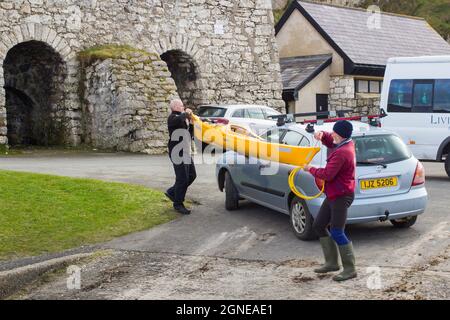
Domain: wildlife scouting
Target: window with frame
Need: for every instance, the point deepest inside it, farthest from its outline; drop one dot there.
(368, 86)
(209, 111)
(442, 96)
(255, 113)
(240, 113)
(423, 96)
(293, 138)
(270, 112)
(400, 96)
(419, 96)
(274, 135)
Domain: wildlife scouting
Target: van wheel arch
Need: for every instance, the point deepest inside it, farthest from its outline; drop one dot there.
(444, 149)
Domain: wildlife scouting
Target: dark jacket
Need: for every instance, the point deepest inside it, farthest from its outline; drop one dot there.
(178, 120)
(339, 173)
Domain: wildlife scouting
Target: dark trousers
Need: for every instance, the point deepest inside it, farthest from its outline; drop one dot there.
(185, 176)
(332, 213)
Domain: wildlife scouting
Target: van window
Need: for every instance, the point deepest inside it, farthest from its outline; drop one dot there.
(423, 96)
(442, 96)
(420, 96)
(400, 96)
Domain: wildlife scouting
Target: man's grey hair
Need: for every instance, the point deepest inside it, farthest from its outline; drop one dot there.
(175, 103)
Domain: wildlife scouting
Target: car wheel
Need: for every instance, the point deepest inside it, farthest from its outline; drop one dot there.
(301, 220)
(231, 193)
(404, 222)
(447, 165)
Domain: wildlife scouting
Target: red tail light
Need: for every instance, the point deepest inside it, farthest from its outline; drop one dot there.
(419, 175)
(319, 183)
(221, 121)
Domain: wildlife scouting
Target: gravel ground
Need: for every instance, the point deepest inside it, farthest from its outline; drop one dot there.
(140, 275)
(247, 254)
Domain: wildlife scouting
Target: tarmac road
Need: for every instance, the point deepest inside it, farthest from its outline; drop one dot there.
(249, 253)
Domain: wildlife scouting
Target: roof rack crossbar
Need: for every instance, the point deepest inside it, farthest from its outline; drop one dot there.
(337, 113)
(333, 117)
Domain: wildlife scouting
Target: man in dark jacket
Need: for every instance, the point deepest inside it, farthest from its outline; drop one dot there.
(180, 154)
(339, 177)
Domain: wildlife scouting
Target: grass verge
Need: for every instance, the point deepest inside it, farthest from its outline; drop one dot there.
(43, 213)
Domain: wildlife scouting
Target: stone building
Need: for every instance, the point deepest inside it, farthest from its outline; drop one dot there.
(101, 72)
(334, 57)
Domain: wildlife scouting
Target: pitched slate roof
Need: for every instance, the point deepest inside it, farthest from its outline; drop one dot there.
(296, 72)
(346, 29)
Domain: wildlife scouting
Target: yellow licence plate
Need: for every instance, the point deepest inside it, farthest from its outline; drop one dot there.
(389, 182)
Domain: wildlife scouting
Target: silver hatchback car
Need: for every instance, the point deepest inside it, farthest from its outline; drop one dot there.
(390, 182)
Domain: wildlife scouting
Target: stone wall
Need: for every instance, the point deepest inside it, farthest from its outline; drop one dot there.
(343, 96)
(124, 109)
(230, 43)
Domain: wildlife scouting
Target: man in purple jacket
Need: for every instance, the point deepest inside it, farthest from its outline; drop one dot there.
(339, 177)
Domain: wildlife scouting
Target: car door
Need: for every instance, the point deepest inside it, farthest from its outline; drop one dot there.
(253, 184)
(271, 178)
(278, 183)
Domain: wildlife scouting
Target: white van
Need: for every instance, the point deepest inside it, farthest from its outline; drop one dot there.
(416, 98)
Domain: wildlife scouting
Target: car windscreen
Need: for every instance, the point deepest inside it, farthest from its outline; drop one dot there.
(380, 149)
(211, 112)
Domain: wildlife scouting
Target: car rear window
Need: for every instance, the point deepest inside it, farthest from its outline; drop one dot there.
(211, 112)
(380, 149)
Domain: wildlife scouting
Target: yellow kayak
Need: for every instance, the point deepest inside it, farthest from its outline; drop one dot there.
(222, 136)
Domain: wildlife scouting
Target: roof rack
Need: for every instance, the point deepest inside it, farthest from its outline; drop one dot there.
(333, 116)
(362, 118)
(339, 113)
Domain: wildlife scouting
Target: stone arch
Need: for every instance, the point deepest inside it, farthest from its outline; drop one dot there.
(22, 38)
(181, 55)
(19, 44)
(185, 74)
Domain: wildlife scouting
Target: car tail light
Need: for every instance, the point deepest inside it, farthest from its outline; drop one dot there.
(419, 175)
(221, 121)
(319, 183)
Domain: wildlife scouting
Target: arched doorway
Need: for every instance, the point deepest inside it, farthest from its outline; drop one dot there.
(185, 74)
(34, 85)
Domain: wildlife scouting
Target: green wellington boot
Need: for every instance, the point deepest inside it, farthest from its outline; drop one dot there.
(348, 261)
(330, 252)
